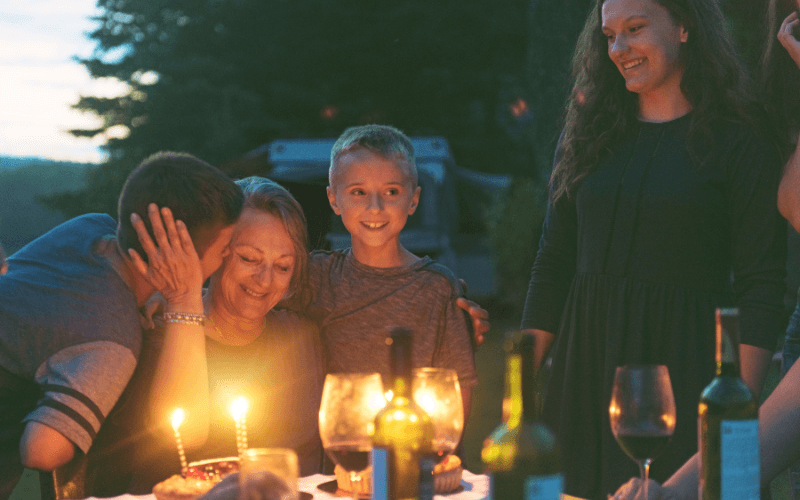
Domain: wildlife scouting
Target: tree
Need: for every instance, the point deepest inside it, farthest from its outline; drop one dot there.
(218, 78)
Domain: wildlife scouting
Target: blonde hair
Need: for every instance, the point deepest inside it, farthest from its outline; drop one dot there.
(270, 197)
(383, 140)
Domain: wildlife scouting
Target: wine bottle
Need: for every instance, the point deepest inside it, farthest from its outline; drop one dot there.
(728, 423)
(521, 455)
(403, 432)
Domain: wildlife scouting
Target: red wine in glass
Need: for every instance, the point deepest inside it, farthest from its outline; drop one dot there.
(643, 445)
(351, 456)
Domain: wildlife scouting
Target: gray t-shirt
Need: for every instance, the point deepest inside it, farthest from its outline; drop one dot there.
(69, 324)
(357, 306)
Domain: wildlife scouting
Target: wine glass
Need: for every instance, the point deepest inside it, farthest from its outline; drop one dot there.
(642, 414)
(350, 402)
(438, 393)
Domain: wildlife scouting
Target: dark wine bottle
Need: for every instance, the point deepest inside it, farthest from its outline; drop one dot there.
(521, 455)
(403, 433)
(728, 423)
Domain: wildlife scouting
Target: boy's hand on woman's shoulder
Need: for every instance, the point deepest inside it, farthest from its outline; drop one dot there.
(479, 316)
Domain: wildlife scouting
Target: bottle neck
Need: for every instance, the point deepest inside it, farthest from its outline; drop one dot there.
(728, 370)
(727, 342)
(512, 410)
(401, 388)
(400, 366)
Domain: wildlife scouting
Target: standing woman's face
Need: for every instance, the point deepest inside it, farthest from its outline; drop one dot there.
(644, 42)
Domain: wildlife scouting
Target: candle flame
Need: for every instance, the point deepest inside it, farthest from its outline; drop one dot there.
(177, 419)
(239, 408)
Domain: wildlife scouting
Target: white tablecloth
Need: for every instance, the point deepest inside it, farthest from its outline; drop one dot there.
(475, 487)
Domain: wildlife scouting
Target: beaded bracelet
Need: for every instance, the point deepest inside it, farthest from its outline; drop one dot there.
(185, 318)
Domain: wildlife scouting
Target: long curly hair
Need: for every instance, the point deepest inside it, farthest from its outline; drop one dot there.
(601, 111)
(780, 79)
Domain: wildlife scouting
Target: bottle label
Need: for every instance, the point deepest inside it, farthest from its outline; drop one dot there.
(426, 485)
(535, 487)
(740, 460)
(380, 473)
(544, 487)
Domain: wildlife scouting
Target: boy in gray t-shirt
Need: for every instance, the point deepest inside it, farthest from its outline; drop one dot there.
(360, 294)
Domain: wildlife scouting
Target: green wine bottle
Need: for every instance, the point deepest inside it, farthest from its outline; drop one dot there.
(403, 432)
(521, 455)
(728, 423)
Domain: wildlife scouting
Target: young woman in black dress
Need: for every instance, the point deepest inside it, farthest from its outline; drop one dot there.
(662, 208)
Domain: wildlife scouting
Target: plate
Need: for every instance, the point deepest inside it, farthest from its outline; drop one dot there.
(332, 487)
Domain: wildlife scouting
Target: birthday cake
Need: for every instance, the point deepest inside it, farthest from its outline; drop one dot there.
(199, 478)
(446, 477)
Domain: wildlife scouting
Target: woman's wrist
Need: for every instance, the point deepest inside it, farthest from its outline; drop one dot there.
(184, 318)
(189, 303)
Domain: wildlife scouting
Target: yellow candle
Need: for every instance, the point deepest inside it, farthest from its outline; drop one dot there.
(239, 410)
(177, 419)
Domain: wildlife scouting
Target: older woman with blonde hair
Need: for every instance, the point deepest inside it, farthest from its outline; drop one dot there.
(243, 348)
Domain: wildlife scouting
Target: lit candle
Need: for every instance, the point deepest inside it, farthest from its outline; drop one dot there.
(177, 419)
(239, 410)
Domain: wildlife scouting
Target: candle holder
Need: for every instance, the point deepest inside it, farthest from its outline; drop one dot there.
(438, 392)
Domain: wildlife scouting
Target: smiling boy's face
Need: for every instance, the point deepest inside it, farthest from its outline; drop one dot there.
(374, 196)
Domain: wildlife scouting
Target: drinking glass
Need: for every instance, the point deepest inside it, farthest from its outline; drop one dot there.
(274, 470)
(642, 414)
(350, 402)
(438, 393)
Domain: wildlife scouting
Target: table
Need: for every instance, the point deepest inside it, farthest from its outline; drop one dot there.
(476, 487)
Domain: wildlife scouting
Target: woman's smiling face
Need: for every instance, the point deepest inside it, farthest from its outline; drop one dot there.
(258, 270)
(644, 42)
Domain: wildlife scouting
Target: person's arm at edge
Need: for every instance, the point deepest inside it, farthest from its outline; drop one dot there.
(754, 363)
(779, 426)
(789, 190)
(779, 435)
(683, 484)
(44, 448)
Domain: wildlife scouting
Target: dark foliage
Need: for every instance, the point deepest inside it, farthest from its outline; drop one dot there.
(231, 75)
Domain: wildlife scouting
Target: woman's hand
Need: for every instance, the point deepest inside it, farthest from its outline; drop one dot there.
(787, 37)
(630, 490)
(173, 267)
